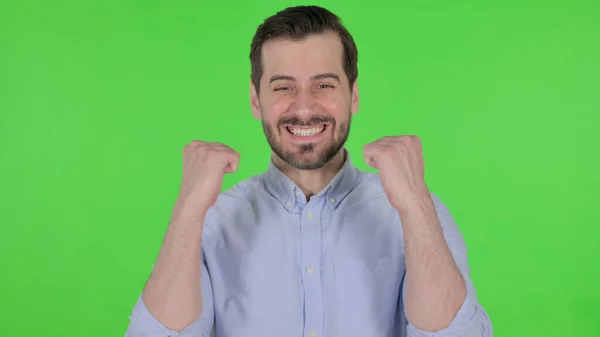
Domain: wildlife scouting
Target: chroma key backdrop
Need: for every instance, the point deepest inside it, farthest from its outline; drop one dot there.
(98, 98)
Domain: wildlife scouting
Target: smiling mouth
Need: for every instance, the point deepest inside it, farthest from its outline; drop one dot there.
(305, 132)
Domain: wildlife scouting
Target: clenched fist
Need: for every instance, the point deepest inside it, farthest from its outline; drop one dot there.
(399, 160)
(204, 165)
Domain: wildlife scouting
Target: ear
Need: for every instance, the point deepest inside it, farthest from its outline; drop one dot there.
(254, 103)
(355, 98)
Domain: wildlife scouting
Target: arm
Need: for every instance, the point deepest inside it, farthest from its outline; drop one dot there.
(174, 297)
(164, 297)
(144, 324)
(173, 291)
(438, 294)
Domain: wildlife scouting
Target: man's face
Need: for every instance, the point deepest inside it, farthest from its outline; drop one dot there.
(305, 102)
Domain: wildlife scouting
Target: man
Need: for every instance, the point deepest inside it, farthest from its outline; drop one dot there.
(312, 247)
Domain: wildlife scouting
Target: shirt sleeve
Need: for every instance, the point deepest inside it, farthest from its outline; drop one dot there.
(471, 320)
(143, 324)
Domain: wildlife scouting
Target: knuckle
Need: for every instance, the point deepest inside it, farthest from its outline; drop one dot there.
(387, 149)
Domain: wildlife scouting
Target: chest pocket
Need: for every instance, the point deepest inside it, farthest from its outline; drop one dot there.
(368, 296)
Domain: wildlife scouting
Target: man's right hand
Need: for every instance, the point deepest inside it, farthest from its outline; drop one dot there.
(204, 165)
(173, 291)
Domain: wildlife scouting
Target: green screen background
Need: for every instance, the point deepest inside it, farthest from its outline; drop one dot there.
(98, 98)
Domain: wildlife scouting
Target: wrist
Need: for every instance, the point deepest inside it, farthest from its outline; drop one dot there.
(415, 203)
(189, 211)
(185, 218)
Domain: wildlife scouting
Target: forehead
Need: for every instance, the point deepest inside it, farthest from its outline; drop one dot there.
(316, 53)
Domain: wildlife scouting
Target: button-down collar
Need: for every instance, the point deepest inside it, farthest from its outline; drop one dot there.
(289, 194)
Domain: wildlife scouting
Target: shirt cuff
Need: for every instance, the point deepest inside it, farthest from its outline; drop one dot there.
(144, 324)
(464, 318)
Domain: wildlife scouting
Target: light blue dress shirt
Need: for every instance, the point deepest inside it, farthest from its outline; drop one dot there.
(275, 265)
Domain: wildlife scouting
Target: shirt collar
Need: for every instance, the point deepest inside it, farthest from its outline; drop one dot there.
(289, 194)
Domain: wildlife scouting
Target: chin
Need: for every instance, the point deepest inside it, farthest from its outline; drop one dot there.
(308, 156)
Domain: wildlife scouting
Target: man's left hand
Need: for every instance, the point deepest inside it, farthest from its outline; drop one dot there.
(399, 160)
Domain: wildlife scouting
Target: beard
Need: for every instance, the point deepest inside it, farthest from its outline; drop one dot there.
(296, 159)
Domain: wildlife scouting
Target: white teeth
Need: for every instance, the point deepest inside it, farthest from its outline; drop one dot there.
(306, 132)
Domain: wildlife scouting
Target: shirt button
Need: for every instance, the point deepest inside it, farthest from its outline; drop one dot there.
(309, 214)
(332, 200)
(312, 334)
(310, 270)
(297, 193)
(289, 203)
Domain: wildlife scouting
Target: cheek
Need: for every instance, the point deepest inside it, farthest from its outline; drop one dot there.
(335, 107)
(278, 107)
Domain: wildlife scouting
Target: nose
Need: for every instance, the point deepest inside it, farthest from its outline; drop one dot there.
(305, 103)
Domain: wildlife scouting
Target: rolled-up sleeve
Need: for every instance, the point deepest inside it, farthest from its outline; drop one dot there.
(143, 324)
(471, 320)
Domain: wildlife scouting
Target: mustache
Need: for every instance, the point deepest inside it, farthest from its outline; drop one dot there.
(315, 120)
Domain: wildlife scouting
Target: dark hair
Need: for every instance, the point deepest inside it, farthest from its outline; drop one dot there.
(297, 23)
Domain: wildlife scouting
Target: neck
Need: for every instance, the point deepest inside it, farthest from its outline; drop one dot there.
(311, 182)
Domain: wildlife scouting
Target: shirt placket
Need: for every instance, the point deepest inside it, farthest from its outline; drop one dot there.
(310, 225)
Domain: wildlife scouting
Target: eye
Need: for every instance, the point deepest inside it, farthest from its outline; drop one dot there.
(325, 86)
(282, 88)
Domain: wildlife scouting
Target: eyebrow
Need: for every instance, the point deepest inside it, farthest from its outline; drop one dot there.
(313, 78)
